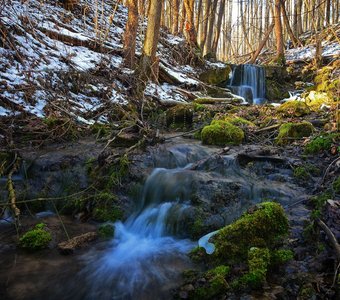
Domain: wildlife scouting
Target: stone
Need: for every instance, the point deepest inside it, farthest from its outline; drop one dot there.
(68, 247)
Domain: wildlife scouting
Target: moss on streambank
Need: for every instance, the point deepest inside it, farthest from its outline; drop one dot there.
(222, 133)
(35, 239)
(291, 131)
(254, 240)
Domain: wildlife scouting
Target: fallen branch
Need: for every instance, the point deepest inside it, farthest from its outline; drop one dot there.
(267, 128)
(331, 238)
(11, 190)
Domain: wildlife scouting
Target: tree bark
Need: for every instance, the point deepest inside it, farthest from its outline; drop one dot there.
(176, 17)
(217, 31)
(280, 58)
(148, 67)
(131, 34)
(190, 25)
(292, 37)
(207, 4)
(211, 22)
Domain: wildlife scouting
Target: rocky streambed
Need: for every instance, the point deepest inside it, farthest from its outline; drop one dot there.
(175, 193)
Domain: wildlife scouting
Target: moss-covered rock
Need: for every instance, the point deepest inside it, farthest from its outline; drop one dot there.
(214, 285)
(215, 75)
(293, 108)
(222, 133)
(235, 120)
(180, 116)
(258, 261)
(262, 227)
(35, 239)
(290, 131)
(315, 100)
(281, 256)
(327, 82)
(322, 142)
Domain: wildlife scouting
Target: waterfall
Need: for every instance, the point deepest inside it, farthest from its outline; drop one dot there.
(144, 251)
(248, 81)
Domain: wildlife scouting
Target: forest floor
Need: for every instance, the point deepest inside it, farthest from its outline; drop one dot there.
(72, 142)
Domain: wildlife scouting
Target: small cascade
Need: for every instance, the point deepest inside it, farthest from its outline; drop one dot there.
(144, 252)
(249, 82)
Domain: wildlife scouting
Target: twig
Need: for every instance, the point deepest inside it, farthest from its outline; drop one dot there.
(331, 238)
(11, 190)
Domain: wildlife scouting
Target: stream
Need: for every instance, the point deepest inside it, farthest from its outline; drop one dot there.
(148, 253)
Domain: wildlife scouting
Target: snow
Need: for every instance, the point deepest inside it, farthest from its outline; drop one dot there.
(182, 78)
(165, 93)
(4, 111)
(329, 49)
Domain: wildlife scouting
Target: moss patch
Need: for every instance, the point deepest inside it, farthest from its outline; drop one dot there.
(293, 109)
(261, 228)
(290, 131)
(316, 99)
(106, 231)
(322, 143)
(222, 133)
(35, 239)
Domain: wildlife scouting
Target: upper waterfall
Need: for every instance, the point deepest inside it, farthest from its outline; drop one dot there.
(249, 82)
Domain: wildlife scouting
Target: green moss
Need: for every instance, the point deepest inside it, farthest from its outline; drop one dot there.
(304, 173)
(215, 283)
(320, 200)
(222, 133)
(104, 214)
(180, 116)
(290, 131)
(117, 172)
(315, 100)
(35, 239)
(281, 256)
(322, 143)
(106, 231)
(262, 228)
(293, 109)
(234, 120)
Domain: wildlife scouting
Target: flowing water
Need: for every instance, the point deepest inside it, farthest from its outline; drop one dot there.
(249, 82)
(149, 250)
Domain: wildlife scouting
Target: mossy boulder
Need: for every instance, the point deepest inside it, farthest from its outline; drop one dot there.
(222, 133)
(258, 261)
(323, 142)
(215, 75)
(235, 120)
(261, 227)
(215, 284)
(327, 81)
(293, 108)
(35, 239)
(315, 100)
(276, 91)
(180, 116)
(290, 131)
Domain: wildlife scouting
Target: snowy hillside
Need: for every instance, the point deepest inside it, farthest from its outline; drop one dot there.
(55, 62)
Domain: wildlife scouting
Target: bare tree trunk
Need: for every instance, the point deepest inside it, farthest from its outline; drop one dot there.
(199, 13)
(218, 27)
(148, 63)
(211, 22)
(182, 21)
(298, 17)
(207, 4)
(328, 12)
(131, 34)
(280, 59)
(190, 24)
(293, 38)
(176, 17)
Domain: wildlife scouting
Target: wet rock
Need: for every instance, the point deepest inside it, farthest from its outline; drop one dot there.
(68, 247)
